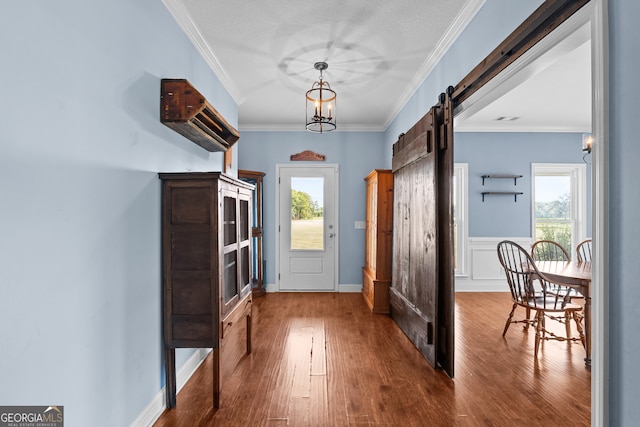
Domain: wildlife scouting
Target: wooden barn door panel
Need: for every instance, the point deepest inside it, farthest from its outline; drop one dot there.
(401, 215)
(422, 291)
(446, 272)
(413, 295)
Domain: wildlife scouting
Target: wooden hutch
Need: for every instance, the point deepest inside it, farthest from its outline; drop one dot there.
(376, 273)
(206, 271)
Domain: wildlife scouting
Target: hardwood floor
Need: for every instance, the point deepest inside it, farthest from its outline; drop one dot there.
(322, 359)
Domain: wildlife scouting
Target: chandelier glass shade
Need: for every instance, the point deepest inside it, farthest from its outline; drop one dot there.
(321, 104)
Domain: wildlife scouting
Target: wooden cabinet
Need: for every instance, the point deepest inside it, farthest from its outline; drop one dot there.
(206, 254)
(376, 273)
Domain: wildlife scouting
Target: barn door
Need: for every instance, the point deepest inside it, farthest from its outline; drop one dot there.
(421, 295)
(446, 272)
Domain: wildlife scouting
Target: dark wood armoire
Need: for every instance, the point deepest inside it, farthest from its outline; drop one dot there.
(206, 270)
(422, 290)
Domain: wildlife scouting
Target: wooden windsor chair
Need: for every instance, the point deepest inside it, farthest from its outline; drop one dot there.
(583, 251)
(532, 290)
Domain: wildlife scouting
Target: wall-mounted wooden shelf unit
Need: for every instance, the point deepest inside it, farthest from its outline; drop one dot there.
(185, 110)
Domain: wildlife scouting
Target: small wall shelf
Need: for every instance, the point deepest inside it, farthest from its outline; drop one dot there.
(501, 176)
(515, 194)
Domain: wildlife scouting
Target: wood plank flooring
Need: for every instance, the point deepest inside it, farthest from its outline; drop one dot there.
(322, 359)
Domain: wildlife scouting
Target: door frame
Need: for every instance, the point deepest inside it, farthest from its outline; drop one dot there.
(336, 198)
(594, 13)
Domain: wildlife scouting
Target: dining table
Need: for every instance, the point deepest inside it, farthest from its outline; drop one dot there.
(577, 275)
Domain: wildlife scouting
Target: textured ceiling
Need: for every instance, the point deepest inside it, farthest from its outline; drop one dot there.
(551, 94)
(378, 54)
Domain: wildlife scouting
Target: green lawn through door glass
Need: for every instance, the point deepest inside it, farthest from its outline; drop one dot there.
(307, 219)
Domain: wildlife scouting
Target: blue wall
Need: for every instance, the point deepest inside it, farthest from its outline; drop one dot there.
(624, 212)
(81, 145)
(80, 148)
(511, 153)
(359, 153)
(356, 154)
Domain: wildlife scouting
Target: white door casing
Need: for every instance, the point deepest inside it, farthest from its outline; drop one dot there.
(307, 249)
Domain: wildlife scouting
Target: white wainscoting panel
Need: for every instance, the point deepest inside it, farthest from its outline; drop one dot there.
(486, 273)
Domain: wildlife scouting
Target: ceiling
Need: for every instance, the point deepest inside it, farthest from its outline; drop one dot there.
(550, 93)
(378, 52)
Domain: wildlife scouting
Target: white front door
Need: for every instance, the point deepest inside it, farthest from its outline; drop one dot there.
(308, 227)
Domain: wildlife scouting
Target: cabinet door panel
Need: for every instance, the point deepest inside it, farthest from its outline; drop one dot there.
(229, 220)
(230, 276)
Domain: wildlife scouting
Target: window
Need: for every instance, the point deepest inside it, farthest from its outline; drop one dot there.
(559, 203)
(307, 213)
(460, 215)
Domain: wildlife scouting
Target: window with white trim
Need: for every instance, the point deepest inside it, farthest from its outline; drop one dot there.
(559, 203)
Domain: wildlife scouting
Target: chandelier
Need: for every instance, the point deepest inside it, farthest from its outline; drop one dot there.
(321, 104)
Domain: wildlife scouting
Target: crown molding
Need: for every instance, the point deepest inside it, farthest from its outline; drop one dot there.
(451, 35)
(530, 128)
(183, 18)
(300, 128)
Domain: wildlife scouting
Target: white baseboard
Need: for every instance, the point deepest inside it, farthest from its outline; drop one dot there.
(157, 406)
(470, 285)
(350, 288)
(271, 287)
(462, 285)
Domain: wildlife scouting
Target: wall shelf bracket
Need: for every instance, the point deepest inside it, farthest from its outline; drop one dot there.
(495, 176)
(514, 193)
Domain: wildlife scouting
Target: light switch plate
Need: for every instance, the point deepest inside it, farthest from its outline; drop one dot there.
(360, 225)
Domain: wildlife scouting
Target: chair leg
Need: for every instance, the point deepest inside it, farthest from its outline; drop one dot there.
(526, 325)
(509, 319)
(539, 331)
(578, 319)
(567, 323)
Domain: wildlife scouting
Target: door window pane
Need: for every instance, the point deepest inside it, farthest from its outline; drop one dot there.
(229, 220)
(307, 218)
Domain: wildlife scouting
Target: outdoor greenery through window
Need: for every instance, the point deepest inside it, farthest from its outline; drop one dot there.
(553, 219)
(307, 213)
